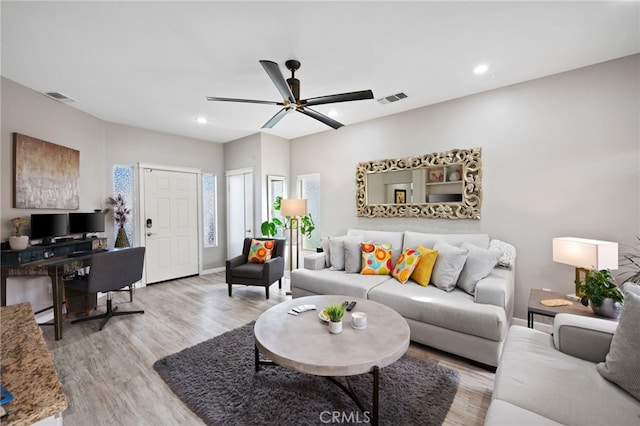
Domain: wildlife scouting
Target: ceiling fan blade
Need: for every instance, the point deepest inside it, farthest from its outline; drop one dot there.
(274, 120)
(342, 97)
(278, 79)
(320, 117)
(249, 101)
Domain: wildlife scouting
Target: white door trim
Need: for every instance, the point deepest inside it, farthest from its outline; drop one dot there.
(141, 208)
(236, 172)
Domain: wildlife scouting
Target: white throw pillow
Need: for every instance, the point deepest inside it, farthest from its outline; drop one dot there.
(449, 264)
(478, 265)
(622, 364)
(336, 250)
(326, 248)
(353, 255)
(508, 258)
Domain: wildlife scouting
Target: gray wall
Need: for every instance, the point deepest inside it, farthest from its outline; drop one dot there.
(101, 145)
(560, 157)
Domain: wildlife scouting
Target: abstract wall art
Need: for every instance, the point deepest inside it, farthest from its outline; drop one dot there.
(47, 176)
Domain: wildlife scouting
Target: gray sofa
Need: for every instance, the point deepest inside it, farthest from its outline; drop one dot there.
(555, 379)
(471, 326)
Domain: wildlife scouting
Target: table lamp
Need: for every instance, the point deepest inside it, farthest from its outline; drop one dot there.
(294, 208)
(585, 254)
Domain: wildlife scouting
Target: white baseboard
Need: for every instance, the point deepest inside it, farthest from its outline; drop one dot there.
(212, 270)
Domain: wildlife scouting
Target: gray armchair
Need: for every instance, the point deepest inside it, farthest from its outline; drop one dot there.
(240, 271)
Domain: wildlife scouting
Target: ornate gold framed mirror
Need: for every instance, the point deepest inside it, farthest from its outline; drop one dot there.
(445, 185)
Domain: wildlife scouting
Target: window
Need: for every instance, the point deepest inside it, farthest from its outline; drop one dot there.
(124, 184)
(209, 209)
(309, 188)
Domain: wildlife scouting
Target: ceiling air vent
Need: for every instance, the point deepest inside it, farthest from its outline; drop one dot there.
(392, 98)
(59, 97)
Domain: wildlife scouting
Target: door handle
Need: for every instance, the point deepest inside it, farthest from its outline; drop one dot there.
(149, 234)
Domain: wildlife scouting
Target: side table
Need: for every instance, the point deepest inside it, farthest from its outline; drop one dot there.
(535, 307)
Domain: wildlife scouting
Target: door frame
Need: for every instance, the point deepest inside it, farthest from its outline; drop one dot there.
(236, 172)
(141, 206)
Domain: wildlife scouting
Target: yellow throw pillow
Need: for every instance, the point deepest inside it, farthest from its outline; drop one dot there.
(422, 273)
(405, 265)
(376, 259)
(260, 251)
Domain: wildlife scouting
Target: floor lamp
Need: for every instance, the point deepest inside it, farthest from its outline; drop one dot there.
(585, 254)
(294, 208)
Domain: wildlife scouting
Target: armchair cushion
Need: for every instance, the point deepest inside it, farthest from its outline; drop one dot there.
(249, 270)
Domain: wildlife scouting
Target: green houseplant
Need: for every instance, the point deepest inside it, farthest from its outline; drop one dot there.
(269, 228)
(601, 291)
(631, 262)
(335, 313)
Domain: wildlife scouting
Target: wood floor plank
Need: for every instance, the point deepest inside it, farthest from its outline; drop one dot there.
(108, 375)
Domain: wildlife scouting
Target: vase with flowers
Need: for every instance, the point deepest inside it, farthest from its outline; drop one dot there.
(19, 241)
(120, 213)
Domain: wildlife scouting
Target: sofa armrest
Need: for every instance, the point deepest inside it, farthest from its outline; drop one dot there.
(497, 289)
(583, 337)
(314, 261)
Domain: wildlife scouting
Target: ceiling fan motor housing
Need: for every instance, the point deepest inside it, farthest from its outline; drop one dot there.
(294, 84)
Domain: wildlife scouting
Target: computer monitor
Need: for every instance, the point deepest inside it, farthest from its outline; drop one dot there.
(48, 226)
(85, 223)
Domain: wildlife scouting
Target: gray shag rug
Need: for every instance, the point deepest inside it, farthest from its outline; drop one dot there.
(216, 379)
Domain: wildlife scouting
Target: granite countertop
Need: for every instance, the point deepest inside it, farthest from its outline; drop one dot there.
(26, 368)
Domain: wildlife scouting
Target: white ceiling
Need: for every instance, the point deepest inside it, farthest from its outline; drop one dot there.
(150, 64)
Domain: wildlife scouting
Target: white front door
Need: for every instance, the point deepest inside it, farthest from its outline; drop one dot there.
(239, 209)
(170, 224)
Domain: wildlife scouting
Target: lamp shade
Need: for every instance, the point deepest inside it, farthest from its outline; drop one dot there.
(585, 253)
(293, 207)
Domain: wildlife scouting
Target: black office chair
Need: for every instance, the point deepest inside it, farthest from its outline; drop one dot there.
(110, 271)
(240, 271)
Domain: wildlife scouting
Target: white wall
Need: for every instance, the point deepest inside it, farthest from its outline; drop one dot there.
(560, 158)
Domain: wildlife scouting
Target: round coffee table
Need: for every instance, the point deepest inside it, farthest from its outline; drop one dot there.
(303, 343)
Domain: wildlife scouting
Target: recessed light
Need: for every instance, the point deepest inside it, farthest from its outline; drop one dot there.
(202, 120)
(481, 69)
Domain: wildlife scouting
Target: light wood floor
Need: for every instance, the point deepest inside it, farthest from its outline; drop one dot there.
(108, 375)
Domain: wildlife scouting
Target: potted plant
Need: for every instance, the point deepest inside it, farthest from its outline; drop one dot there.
(19, 241)
(631, 262)
(601, 290)
(269, 228)
(120, 214)
(335, 314)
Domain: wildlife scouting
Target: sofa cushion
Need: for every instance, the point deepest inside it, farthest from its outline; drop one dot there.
(326, 249)
(533, 375)
(352, 255)
(326, 281)
(336, 250)
(622, 364)
(455, 310)
(382, 237)
(406, 264)
(415, 239)
(424, 269)
(508, 258)
(480, 262)
(501, 413)
(376, 259)
(449, 264)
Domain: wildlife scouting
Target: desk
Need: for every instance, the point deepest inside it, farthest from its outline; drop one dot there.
(27, 369)
(55, 267)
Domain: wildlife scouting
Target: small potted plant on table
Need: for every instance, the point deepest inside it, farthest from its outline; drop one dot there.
(601, 290)
(335, 314)
(19, 241)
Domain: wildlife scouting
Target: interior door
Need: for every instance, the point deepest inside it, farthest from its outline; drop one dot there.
(239, 209)
(170, 224)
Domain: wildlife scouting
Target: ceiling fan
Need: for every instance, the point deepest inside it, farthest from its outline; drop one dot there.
(290, 91)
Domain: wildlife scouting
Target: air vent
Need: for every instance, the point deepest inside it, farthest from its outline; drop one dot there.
(59, 97)
(392, 98)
